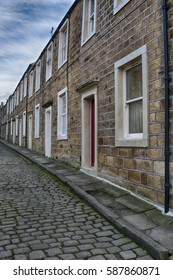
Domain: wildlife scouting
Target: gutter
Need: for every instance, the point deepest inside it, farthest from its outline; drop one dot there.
(166, 79)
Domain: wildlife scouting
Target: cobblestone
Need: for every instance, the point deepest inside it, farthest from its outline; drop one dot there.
(40, 218)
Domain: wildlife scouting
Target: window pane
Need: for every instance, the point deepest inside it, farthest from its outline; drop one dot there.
(92, 7)
(135, 117)
(134, 82)
(86, 18)
(63, 104)
(64, 125)
(91, 20)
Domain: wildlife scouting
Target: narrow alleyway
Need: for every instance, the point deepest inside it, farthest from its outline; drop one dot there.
(40, 218)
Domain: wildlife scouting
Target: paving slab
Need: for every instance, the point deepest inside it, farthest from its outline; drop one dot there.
(163, 235)
(134, 203)
(140, 221)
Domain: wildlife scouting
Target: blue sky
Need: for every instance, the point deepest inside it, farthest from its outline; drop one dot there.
(25, 29)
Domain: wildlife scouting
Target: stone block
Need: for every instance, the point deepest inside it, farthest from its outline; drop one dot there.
(159, 167)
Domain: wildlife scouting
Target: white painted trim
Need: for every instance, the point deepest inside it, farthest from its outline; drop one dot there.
(61, 136)
(117, 7)
(121, 136)
(37, 121)
(30, 132)
(85, 165)
(65, 26)
(48, 131)
(38, 75)
(84, 40)
(24, 123)
(20, 132)
(49, 71)
(17, 125)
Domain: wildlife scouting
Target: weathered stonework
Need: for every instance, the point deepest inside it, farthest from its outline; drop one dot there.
(139, 23)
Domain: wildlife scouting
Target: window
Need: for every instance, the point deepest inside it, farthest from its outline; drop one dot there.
(62, 114)
(21, 90)
(37, 121)
(17, 96)
(89, 19)
(24, 124)
(131, 123)
(31, 83)
(119, 4)
(14, 105)
(63, 44)
(7, 107)
(49, 62)
(38, 73)
(25, 86)
(11, 104)
(134, 99)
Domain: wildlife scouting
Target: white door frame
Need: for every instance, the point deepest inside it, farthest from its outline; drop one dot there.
(20, 132)
(87, 96)
(14, 132)
(48, 131)
(30, 133)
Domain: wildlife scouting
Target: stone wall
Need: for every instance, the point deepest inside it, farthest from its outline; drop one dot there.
(137, 24)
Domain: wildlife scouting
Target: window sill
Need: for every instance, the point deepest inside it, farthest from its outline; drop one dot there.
(84, 41)
(131, 143)
(61, 64)
(119, 7)
(62, 138)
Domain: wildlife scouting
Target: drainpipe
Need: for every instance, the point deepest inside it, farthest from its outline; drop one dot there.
(166, 79)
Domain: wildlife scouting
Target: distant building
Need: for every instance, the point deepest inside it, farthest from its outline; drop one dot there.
(98, 96)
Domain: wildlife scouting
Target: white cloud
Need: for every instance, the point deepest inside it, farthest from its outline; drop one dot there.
(25, 29)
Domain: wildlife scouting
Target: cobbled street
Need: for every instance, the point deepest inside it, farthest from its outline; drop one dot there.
(40, 218)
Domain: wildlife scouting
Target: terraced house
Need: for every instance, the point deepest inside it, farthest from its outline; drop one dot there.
(99, 96)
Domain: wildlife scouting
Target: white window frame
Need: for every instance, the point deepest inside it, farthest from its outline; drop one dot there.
(25, 85)
(61, 94)
(31, 83)
(11, 104)
(88, 21)
(17, 96)
(38, 76)
(14, 100)
(118, 7)
(49, 60)
(122, 136)
(63, 47)
(8, 107)
(21, 90)
(24, 123)
(37, 121)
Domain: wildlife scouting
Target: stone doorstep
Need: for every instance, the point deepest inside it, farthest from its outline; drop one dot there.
(134, 203)
(140, 221)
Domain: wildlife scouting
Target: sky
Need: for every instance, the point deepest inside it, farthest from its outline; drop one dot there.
(25, 29)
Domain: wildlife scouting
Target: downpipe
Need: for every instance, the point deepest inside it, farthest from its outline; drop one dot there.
(166, 79)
